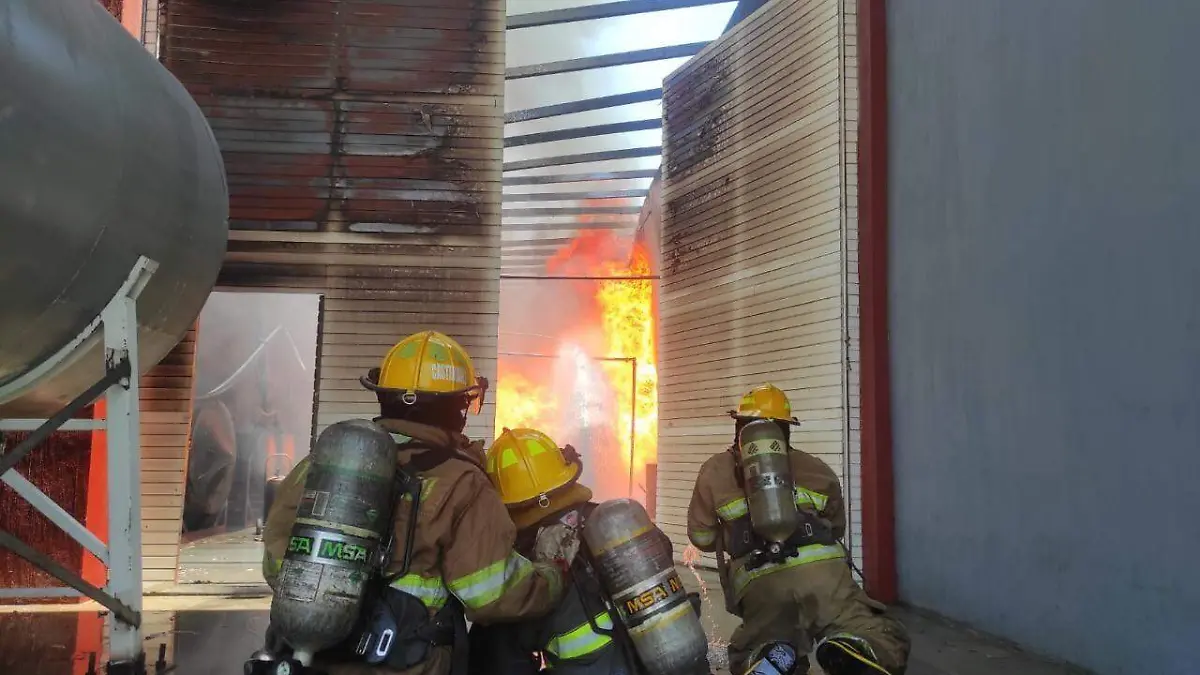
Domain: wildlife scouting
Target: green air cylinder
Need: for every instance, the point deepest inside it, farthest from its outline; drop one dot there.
(637, 569)
(768, 476)
(341, 524)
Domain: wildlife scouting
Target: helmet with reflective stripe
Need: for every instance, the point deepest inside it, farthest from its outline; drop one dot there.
(765, 402)
(527, 466)
(425, 364)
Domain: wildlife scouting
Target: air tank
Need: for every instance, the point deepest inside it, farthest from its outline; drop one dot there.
(335, 544)
(768, 475)
(105, 157)
(637, 569)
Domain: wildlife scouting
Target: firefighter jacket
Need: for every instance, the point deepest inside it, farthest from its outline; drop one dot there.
(572, 638)
(719, 506)
(463, 541)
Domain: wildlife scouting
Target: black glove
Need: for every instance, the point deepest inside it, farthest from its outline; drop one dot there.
(694, 598)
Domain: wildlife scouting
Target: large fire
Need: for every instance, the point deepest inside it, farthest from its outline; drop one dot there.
(581, 343)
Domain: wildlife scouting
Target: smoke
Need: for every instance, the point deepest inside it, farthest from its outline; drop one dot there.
(567, 389)
(255, 352)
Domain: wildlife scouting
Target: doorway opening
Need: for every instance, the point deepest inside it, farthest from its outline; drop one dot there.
(252, 420)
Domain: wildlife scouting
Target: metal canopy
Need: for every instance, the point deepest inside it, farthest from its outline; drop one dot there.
(602, 109)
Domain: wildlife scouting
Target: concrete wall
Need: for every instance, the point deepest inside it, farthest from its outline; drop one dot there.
(1046, 322)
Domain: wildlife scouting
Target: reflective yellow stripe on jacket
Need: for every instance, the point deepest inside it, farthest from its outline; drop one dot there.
(807, 554)
(736, 508)
(581, 640)
(431, 592)
(482, 588)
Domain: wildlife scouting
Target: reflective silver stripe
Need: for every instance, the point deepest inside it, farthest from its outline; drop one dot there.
(703, 537)
(488, 585)
(431, 592)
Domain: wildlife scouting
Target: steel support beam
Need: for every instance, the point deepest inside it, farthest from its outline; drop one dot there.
(56, 514)
(582, 132)
(569, 226)
(582, 105)
(604, 61)
(123, 555)
(596, 176)
(574, 211)
(118, 372)
(551, 277)
(50, 566)
(584, 158)
(605, 10)
(573, 196)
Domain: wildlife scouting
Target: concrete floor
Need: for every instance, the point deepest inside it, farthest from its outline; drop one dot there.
(209, 629)
(939, 648)
(228, 558)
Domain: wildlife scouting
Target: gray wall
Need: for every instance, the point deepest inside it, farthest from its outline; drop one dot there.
(1045, 309)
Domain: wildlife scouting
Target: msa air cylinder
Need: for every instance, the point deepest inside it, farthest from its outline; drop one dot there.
(635, 565)
(768, 476)
(335, 544)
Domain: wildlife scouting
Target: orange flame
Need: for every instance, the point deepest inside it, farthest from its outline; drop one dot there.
(616, 319)
(627, 315)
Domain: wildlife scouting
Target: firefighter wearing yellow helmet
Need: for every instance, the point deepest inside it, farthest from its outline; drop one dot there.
(792, 584)
(538, 482)
(454, 558)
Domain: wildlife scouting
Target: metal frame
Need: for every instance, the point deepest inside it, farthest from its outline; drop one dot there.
(122, 595)
(605, 10)
(574, 211)
(583, 105)
(573, 196)
(604, 61)
(877, 490)
(583, 158)
(593, 177)
(583, 132)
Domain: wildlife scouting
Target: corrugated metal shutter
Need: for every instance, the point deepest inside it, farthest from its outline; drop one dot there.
(362, 142)
(166, 408)
(754, 280)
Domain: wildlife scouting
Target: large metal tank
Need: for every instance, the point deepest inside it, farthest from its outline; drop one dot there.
(104, 157)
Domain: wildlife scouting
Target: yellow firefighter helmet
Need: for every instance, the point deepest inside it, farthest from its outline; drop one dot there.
(527, 466)
(428, 363)
(765, 402)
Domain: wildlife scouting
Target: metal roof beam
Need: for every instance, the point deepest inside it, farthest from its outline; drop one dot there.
(603, 156)
(574, 196)
(583, 105)
(568, 227)
(582, 132)
(597, 176)
(573, 211)
(604, 61)
(605, 10)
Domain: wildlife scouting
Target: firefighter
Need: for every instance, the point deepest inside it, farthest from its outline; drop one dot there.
(538, 482)
(461, 559)
(807, 592)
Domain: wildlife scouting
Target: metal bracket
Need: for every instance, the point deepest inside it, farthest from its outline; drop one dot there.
(122, 595)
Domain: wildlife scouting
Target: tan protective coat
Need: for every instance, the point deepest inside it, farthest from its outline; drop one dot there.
(797, 603)
(463, 531)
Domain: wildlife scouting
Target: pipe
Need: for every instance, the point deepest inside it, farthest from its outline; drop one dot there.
(878, 492)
